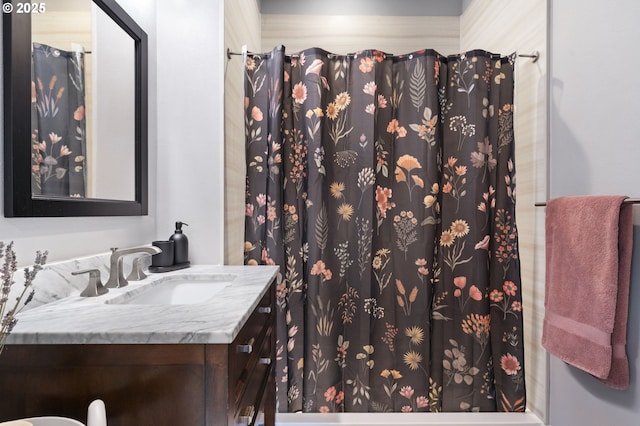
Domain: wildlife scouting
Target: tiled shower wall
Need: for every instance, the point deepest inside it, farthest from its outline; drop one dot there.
(501, 26)
(505, 26)
(344, 34)
(241, 27)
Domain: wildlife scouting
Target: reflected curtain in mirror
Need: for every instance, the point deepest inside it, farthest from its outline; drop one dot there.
(58, 120)
(384, 186)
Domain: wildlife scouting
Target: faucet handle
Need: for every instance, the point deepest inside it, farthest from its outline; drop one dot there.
(95, 287)
(136, 271)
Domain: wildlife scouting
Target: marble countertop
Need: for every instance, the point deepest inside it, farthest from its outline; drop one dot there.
(99, 320)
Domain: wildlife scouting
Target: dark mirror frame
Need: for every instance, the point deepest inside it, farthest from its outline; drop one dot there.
(18, 200)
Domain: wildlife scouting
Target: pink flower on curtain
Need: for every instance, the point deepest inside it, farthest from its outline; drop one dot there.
(510, 364)
(299, 93)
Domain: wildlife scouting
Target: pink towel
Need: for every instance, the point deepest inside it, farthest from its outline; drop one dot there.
(588, 254)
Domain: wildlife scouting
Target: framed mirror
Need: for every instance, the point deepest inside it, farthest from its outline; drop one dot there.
(75, 110)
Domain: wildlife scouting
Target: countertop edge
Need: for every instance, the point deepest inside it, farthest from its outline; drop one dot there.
(26, 333)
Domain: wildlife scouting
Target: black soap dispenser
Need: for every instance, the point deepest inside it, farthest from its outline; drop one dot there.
(180, 246)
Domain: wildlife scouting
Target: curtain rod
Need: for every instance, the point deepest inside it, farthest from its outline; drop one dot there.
(625, 201)
(535, 55)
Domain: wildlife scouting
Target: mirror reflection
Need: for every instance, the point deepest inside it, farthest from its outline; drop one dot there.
(83, 104)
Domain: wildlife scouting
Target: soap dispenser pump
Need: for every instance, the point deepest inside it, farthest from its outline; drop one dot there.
(180, 245)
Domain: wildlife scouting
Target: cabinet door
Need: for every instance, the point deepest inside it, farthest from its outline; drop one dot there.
(140, 384)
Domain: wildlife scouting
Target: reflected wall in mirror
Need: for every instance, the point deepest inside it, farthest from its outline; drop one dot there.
(84, 64)
(75, 46)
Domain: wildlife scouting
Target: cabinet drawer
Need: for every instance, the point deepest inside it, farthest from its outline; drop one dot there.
(262, 357)
(244, 351)
(251, 389)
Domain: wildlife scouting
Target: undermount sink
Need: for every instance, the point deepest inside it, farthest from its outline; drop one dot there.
(177, 290)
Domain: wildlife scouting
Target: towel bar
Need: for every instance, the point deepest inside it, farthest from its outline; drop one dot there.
(626, 201)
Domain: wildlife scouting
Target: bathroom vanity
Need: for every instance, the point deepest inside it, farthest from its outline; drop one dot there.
(154, 361)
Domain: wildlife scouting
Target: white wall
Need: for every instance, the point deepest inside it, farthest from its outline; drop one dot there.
(112, 162)
(594, 150)
(506, 26)
(67, 238)
(190, 136)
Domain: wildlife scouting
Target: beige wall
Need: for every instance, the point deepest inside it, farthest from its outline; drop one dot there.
(505, 26)
(241, 27)
(344, 34)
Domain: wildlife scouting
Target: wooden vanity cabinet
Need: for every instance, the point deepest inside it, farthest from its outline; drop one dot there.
(248, 371)
(149, 384)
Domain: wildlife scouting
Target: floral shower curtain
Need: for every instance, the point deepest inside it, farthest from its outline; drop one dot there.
(58, 138)
(384, 187)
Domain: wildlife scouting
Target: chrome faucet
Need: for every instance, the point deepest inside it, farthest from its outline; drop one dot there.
(116, 274)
